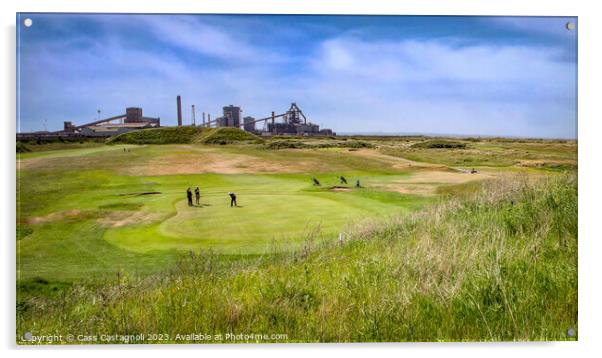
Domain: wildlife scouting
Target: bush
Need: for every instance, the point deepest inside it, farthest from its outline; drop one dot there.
(439, 144)
(291, 144)
(286, 144)
(22, 148)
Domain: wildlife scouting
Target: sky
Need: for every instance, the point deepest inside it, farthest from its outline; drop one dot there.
(499, 76)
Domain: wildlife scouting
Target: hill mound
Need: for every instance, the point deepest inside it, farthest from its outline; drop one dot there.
(225, 135)
(163, 135)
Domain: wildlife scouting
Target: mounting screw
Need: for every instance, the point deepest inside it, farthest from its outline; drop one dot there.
(570, 332)
(570, 26)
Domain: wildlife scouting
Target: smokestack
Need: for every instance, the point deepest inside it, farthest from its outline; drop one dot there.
(273, 122)
(193, 117)
(203, 119)
(179, 101)
(208, 120)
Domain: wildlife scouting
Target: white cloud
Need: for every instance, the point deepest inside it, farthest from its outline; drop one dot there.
(194, 35)
(347, 83)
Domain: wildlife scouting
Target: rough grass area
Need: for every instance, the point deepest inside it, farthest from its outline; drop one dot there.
(299, 144)
(439, 144)
(50, 144)
(22, 148)
(225, 135)
(163, 135)
(186, 135)
(555, 155)
(500, 264)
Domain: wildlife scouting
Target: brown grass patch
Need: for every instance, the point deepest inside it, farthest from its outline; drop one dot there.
(124, 218)
(69, 214)
(214, 162)
(394, 162)
(540, 163)
(426, 182)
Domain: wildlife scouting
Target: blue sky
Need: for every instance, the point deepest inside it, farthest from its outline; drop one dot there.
(513, 76)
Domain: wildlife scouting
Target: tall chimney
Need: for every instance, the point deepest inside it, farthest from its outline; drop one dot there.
(208, 120)
(179, 100)
(273, 122)
(193, 117)
(203, 119)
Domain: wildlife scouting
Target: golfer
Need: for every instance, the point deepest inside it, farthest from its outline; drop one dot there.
(232, 199)
(189, 196)
(197, 194)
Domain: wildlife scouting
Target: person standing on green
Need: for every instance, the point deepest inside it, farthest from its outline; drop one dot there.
(189, 196)
(197, 194)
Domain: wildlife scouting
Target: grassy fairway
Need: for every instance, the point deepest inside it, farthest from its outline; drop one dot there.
(84, 214)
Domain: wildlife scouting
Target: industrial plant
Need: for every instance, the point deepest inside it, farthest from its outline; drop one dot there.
(291, 122)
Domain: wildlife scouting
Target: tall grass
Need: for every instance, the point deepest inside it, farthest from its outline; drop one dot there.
(499, 265)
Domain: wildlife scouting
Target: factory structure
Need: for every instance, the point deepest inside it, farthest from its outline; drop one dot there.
(132, 120)
(291, 122)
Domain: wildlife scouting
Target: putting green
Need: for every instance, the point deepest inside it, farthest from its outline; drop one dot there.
(263, 222)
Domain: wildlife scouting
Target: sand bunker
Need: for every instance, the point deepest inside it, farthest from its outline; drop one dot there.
(339, 188)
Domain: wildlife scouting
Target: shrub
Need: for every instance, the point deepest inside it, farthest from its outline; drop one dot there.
(291, 144)
(439, 144)
(22, 148)
(286, 144)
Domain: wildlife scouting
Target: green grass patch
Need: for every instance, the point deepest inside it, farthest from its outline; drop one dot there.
(81, 214)
(498, 265)
(163, 135)
(225, 135)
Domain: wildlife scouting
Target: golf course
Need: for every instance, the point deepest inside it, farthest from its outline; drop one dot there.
(468, 238)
